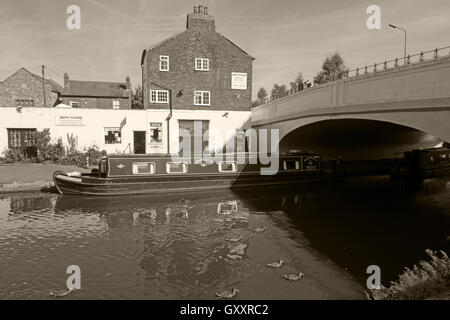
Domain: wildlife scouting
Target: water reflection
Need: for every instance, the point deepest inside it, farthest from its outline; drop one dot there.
(190, 245)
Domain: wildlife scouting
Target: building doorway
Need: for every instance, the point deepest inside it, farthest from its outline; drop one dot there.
(23, 141)
(139, 142)
(196, 129)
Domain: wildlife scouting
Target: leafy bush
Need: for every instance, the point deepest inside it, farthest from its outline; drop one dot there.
(94, 155)
(424, 281)
(55, 153)
(75, 158)
(13, 156)
(47, 151)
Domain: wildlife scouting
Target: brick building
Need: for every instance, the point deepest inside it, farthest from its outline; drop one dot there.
(96, 94)
(200, 75)
(25, 89)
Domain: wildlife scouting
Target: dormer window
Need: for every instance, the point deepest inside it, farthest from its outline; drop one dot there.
(163, 63)
(201, 64)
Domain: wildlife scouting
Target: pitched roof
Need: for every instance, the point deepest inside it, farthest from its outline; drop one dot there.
(54, 85)
(182, 33)
(95, 89)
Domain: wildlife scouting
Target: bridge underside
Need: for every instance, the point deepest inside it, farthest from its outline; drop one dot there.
(356, 139)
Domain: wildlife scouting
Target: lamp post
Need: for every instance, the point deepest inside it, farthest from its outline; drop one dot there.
(404, 48)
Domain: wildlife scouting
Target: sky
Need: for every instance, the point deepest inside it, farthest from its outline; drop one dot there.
(285, 36)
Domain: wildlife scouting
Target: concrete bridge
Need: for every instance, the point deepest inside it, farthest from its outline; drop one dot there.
(404, 105)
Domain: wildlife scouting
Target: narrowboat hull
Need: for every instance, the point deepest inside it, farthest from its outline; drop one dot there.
(423, 164)
(144, 174)
(88, 185)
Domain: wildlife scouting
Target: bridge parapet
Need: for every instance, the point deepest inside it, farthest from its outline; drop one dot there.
(425, 79)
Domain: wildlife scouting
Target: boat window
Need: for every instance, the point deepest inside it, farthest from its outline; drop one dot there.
(144, 167)
(227, 166)
(176, 167)
(443, 157)
(431, 159)
(291, 165)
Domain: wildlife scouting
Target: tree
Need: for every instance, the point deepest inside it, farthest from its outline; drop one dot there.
(333, 68)
(297, 84)
(261, 95)
(278, 91)
(136, 98)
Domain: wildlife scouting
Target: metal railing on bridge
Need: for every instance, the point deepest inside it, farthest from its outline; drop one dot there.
(387, 65)
(399, 63)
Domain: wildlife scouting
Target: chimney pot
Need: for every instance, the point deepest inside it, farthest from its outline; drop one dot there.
(66, 80)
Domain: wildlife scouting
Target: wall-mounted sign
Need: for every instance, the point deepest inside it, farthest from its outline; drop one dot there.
(239, 80)
(155, 133)
(69, 120)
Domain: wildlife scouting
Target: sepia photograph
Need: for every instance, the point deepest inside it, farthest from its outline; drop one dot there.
(225, 156)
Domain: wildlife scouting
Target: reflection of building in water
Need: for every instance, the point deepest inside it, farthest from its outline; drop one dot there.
(28, 204)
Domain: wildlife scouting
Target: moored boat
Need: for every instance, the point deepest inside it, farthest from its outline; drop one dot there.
(422, 164)
(160, 174)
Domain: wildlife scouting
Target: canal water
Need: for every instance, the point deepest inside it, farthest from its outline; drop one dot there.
(189, 246)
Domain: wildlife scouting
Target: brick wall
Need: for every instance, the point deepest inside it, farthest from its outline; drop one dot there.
(99, 103)
(23, 85)
(198, 41)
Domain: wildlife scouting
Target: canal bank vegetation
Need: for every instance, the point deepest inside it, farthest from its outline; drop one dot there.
(428, 280)
(42, 151)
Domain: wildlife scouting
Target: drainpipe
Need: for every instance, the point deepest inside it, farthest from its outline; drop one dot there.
(169, 116)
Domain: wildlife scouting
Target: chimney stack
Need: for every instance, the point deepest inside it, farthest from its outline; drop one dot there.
(128, 83)
(66, 80)
(200, 20)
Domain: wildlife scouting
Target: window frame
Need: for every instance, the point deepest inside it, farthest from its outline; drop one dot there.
(114, 106)
(25, 103)
(297, 164)
(72, 102)
(157, 96)
(152, 168)
(202, 92)
(202, 60)
(184, 164)
(233, 166)
(163, 58)
(120, 135)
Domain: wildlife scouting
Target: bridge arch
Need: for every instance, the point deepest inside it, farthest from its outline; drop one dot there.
(355, 138)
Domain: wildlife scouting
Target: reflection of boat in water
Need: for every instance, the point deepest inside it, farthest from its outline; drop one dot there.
(145, 174)
(422, 164)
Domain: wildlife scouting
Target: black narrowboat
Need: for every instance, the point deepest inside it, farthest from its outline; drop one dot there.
(422, 164)
(160, 174)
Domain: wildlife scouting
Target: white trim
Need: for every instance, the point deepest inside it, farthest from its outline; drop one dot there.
(233, 166)
(71, 104)
(164, 59)
(297, 164)
(200, 92)
(158, 100)
(116, 104)
(184, 164)
(202, 61)
(152, 167)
